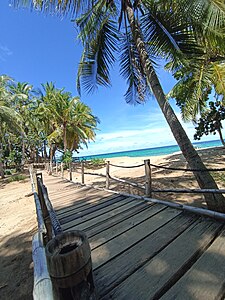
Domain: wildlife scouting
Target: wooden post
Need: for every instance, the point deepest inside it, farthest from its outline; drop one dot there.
(148, 178)
(107, 174)
(44, 209)
(56, 168)
(70, 267)
(62, 171)
(82, 172)
(50, 168)
(42, 281)
(70, 170)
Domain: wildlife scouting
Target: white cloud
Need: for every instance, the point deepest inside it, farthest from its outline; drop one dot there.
(155, 134)
(4, 52)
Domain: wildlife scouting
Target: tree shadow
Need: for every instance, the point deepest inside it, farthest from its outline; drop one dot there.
(16, 276)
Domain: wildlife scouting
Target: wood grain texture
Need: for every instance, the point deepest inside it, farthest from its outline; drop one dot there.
(117, 270)
(151, 279)
(86, 204)
(117, 211)
(205, 280)
(95, 208)
(124, 241)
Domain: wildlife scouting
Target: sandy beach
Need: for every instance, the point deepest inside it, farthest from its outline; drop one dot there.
(18, 219)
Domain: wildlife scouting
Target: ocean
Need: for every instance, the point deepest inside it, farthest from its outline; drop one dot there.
(151, 151)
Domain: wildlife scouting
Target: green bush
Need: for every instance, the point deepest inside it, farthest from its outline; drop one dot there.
(95, 163)
(67, 158)
(18, 177)
(8, 172)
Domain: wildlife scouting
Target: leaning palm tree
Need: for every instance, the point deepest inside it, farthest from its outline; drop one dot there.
(140, 30)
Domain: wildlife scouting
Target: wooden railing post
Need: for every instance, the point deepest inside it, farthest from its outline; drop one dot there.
(82, 172)
(107, 174)
(70, 170)
(62, 171)
(70, 266)
(44, 207)
(50, 167)
(148, 178)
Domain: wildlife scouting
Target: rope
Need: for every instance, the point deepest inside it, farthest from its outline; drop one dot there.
(127, 167)
(187, 170)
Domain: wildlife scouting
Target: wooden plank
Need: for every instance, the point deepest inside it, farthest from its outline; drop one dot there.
(105, 218)
(151, 280)
(75, 214)
(117, 229)
(124, 241)
(97, 215)
(118, 269)
(87, 203)
(111, 221)
(72, 190)
(80, 200)
(79, 196)
(205, 280)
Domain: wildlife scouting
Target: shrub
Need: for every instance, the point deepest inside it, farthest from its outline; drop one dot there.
(18, 177)
(95, 163)
(8, 172)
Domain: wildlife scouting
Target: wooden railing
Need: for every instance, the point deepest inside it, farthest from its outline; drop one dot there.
(42, 282)
(146, 187)
(54, 251)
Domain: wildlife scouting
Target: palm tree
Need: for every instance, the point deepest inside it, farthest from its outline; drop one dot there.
(10, 120)
(157, 32)
(70, 122)
(22, 100)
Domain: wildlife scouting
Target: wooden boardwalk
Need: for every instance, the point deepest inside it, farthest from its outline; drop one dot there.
(142, 250)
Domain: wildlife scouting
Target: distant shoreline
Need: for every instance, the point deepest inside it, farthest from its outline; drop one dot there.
(148, 152)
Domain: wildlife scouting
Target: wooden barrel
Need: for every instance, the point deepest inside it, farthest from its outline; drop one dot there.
(69, 263)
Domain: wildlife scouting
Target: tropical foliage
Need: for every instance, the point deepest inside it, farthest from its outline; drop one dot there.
(211, 121)
(36, 124)
(141, 31)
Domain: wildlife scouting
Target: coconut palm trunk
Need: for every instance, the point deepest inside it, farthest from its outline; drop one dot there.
(64, 137)
(221, 136)
(204, 179)
(2, 173)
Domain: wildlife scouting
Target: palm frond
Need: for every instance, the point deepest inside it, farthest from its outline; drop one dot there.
(193, 88)
(100, 39)
(11, 118)
(168, 34)
(219, 79)
(57, 7)
(131, 70)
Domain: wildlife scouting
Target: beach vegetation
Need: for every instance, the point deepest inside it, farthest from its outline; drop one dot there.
(95, 163)
(211, 121)
(35, 124)
(17, 177)
(67, 158)
(135, 33)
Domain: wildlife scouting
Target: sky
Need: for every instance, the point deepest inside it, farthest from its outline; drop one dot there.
(38, 48)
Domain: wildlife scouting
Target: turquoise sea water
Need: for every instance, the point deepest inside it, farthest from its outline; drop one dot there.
(152, 151)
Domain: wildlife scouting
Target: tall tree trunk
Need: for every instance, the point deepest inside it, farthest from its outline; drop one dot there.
(2, 173)
(205, 180)
(23, 153)
(51, 157)
(64, 138)
(45, 151)
(221, 136)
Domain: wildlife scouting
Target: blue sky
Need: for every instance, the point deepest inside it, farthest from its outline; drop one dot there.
(37, 48)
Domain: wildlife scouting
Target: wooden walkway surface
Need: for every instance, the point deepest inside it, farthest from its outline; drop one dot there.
(142, 250)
